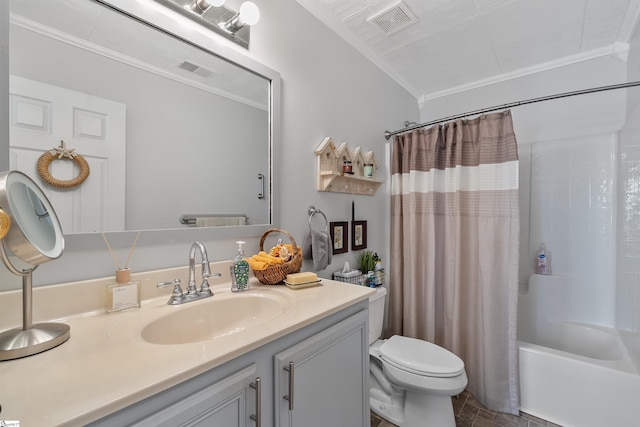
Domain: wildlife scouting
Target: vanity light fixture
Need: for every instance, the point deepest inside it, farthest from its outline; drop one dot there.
(200, 6)
(235, 26)
(249, 15)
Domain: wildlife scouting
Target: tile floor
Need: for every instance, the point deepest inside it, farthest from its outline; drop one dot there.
(470, 413)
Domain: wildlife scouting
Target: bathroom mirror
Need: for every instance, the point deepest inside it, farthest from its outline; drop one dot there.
(168, 126)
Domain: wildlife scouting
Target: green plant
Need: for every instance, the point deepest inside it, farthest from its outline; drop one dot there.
(367, 260)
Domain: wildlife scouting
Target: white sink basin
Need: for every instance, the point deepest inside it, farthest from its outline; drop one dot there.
(215, 317)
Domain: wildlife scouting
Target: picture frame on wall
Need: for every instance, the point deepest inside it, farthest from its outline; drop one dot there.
(339, 236)
(358, 235)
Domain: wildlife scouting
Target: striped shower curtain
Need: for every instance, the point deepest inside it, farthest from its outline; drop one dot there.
(454, 248)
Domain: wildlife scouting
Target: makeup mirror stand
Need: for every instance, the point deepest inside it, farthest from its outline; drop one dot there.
(30, 229)
(31, 339)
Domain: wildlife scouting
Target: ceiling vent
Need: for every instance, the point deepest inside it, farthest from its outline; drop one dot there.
(393, 19)
(196, 69)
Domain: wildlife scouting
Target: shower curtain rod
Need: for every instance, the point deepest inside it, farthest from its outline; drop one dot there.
(388, 134)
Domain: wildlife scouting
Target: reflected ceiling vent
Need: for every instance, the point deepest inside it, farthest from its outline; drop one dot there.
(196, 69)
(393, 19)
(337, 7)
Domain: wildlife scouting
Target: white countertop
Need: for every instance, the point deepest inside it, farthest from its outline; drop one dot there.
(106, 365)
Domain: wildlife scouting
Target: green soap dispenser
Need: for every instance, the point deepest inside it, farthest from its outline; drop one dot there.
(240, 271)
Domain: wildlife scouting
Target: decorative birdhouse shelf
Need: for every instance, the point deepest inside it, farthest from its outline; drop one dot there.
(341, 170)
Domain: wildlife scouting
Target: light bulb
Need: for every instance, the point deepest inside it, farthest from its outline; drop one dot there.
(249, 13)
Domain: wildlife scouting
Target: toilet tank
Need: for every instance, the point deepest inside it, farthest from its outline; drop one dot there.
(376, 313)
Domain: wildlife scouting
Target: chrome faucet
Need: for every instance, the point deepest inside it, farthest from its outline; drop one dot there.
(192, 292)
(206, 271)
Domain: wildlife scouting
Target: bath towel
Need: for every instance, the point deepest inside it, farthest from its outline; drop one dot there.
(220, 221)
(317, 246)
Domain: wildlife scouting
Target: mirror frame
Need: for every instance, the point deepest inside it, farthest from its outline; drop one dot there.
(161, 18)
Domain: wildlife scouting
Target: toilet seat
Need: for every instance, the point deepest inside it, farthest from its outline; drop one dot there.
(420, 357)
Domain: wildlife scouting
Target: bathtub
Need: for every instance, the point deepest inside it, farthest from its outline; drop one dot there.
(578, 375)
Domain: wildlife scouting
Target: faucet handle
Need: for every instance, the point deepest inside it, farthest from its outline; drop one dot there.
(176, 295)
(204, 288)
(176, 283)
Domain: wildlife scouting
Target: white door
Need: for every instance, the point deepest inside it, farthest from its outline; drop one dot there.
(41, 117)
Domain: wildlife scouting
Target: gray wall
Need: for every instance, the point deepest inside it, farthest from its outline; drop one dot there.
(329, 89)
(4, 77)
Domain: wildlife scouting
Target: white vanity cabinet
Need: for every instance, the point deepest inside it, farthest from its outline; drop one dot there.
(322, 380)
(329, 386)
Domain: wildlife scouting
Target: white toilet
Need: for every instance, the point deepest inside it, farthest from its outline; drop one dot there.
(411, 381)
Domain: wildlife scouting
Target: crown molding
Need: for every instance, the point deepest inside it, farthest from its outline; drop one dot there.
(616, 50)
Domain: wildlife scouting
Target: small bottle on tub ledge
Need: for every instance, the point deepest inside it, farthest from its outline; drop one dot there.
(543, 261)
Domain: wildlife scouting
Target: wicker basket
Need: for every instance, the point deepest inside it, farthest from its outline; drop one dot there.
(275, 274)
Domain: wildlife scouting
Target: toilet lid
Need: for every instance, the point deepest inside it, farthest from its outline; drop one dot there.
(420, 357)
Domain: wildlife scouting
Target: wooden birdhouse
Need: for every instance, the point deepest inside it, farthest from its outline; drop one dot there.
(370, 165)
(357, 159)
(341, 170)
(344, 155)
(327, 155)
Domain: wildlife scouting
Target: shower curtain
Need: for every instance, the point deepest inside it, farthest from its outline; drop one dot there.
(454, 248)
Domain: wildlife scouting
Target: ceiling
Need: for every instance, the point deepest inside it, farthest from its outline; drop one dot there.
(456, 45)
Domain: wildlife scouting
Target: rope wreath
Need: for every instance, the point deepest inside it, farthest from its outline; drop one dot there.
(62, 153)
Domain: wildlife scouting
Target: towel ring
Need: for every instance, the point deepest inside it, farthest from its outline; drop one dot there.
(312, 211)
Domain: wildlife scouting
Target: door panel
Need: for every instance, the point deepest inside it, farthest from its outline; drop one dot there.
(41, 117)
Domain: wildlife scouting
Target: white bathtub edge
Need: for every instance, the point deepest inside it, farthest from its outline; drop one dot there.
(559, 387)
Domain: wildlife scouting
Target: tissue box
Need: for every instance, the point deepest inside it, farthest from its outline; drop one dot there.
(354, 277)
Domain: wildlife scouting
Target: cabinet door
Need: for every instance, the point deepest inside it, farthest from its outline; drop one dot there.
(229, 402)
(322, 381)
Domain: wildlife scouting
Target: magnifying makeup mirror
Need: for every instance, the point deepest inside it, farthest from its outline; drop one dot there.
(30, 230)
